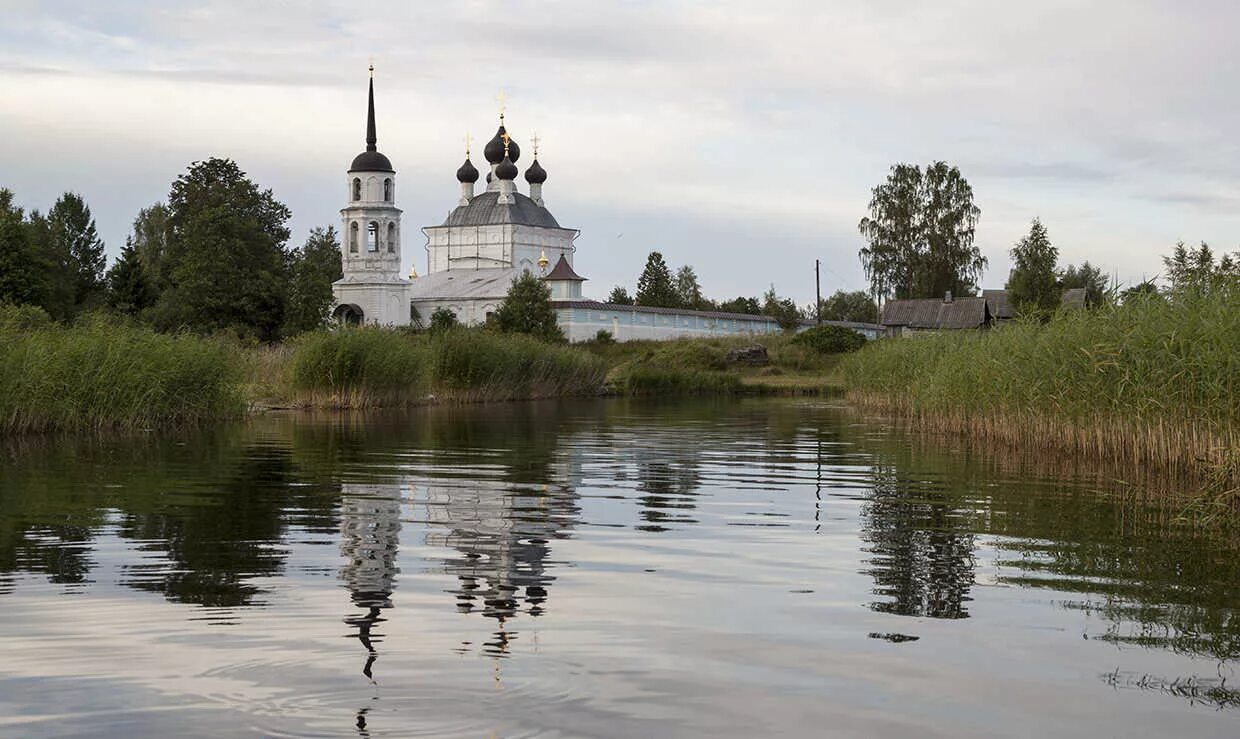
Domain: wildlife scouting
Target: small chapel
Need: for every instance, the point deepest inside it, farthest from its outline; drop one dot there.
(493, 234)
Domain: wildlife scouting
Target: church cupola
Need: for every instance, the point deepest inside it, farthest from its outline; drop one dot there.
(501, 145)
(535, 175)
(506, 172)
(467, 175)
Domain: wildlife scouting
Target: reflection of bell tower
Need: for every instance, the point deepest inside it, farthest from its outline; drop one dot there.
(370, 536)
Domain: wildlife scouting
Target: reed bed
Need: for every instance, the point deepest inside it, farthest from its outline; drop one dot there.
(374, 367)
(1153, 382)
(102, 373)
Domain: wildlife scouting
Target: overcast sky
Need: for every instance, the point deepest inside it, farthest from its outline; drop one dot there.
(740, 137)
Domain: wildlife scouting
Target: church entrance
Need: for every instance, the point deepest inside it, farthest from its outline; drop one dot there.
(348, 314)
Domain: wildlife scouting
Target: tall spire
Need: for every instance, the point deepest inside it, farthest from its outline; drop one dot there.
(371, 139)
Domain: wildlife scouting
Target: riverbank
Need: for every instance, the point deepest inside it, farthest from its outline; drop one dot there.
(1153, 383)
(107, 373)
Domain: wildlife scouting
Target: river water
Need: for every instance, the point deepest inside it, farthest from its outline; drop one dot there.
(598, 568)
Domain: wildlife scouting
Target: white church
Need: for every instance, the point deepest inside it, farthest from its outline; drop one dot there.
(486, 241)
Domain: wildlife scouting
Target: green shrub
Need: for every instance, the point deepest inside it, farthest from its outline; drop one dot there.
(830, 339)
(604, 337)
(648, 379)
(443, 319)
(359, 367)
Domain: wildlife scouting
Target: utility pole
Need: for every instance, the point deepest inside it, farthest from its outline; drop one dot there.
(817, 295)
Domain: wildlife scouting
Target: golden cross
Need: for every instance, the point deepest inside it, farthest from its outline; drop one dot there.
(372, 67)
(505, 137)
(534, 140)
(502, 99)
(467, 145)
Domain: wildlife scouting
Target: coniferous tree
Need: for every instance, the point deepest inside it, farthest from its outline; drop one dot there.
(654, 287)
(313, 268)
(225, 264)
(920, 232)
(129, 287)
(527, 310)
(620, 296)
(23, 272)
(1195, 271)
(783, 310)
(1032, 286)
(75, 245)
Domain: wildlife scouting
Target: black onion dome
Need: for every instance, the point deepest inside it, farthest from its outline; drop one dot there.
(506, 170)
(467, 172)
(371, 161)
(535, 175)
(494, 150)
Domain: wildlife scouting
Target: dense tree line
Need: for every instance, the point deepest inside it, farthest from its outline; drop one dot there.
(213, 259)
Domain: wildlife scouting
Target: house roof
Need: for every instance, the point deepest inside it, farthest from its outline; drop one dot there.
(485, 210)
(935, 313)
(460, 284)
(563, 271)
(1000, 306)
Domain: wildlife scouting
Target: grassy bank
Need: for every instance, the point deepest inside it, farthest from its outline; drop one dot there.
(700, 366)
(1154, 383)
(98, 374)
(367, 368)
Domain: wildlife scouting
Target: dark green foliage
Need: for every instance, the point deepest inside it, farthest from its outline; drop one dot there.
(1195, 270)
(475, 364)
(1089, 277)
(604, 337)
(1031, 287)
(854, 306)
(1141, 291)
(920, 232)
(75, 245)
(527, 310)
(620, 296)
(130, 290)
(443, 319)
(750, 306)
(783, 310)
(225, 261)
(654, 287)
(312, 270)
(23, 273)
(98, 373)
(830, 339)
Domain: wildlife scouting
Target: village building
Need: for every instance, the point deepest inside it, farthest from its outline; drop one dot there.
(486, 241)
(926, 315)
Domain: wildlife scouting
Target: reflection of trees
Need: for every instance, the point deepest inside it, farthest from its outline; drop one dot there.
(921, 549)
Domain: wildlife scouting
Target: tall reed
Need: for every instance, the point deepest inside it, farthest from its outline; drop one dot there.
(103, 373)
(1154, 382)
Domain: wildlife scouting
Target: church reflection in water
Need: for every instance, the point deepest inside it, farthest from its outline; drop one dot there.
(370, 536)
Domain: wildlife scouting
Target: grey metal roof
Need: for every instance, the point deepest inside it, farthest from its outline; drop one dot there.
(483, 210)
(1000, 306)
(936, 313)
(596, 305)
(461, 284)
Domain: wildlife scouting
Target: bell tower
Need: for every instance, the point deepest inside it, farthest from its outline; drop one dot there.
(372, 285)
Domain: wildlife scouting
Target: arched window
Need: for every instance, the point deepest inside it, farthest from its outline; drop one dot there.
(391, 238)
(357, 188)
(387, 189)
(372, 236)
(353, 236)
